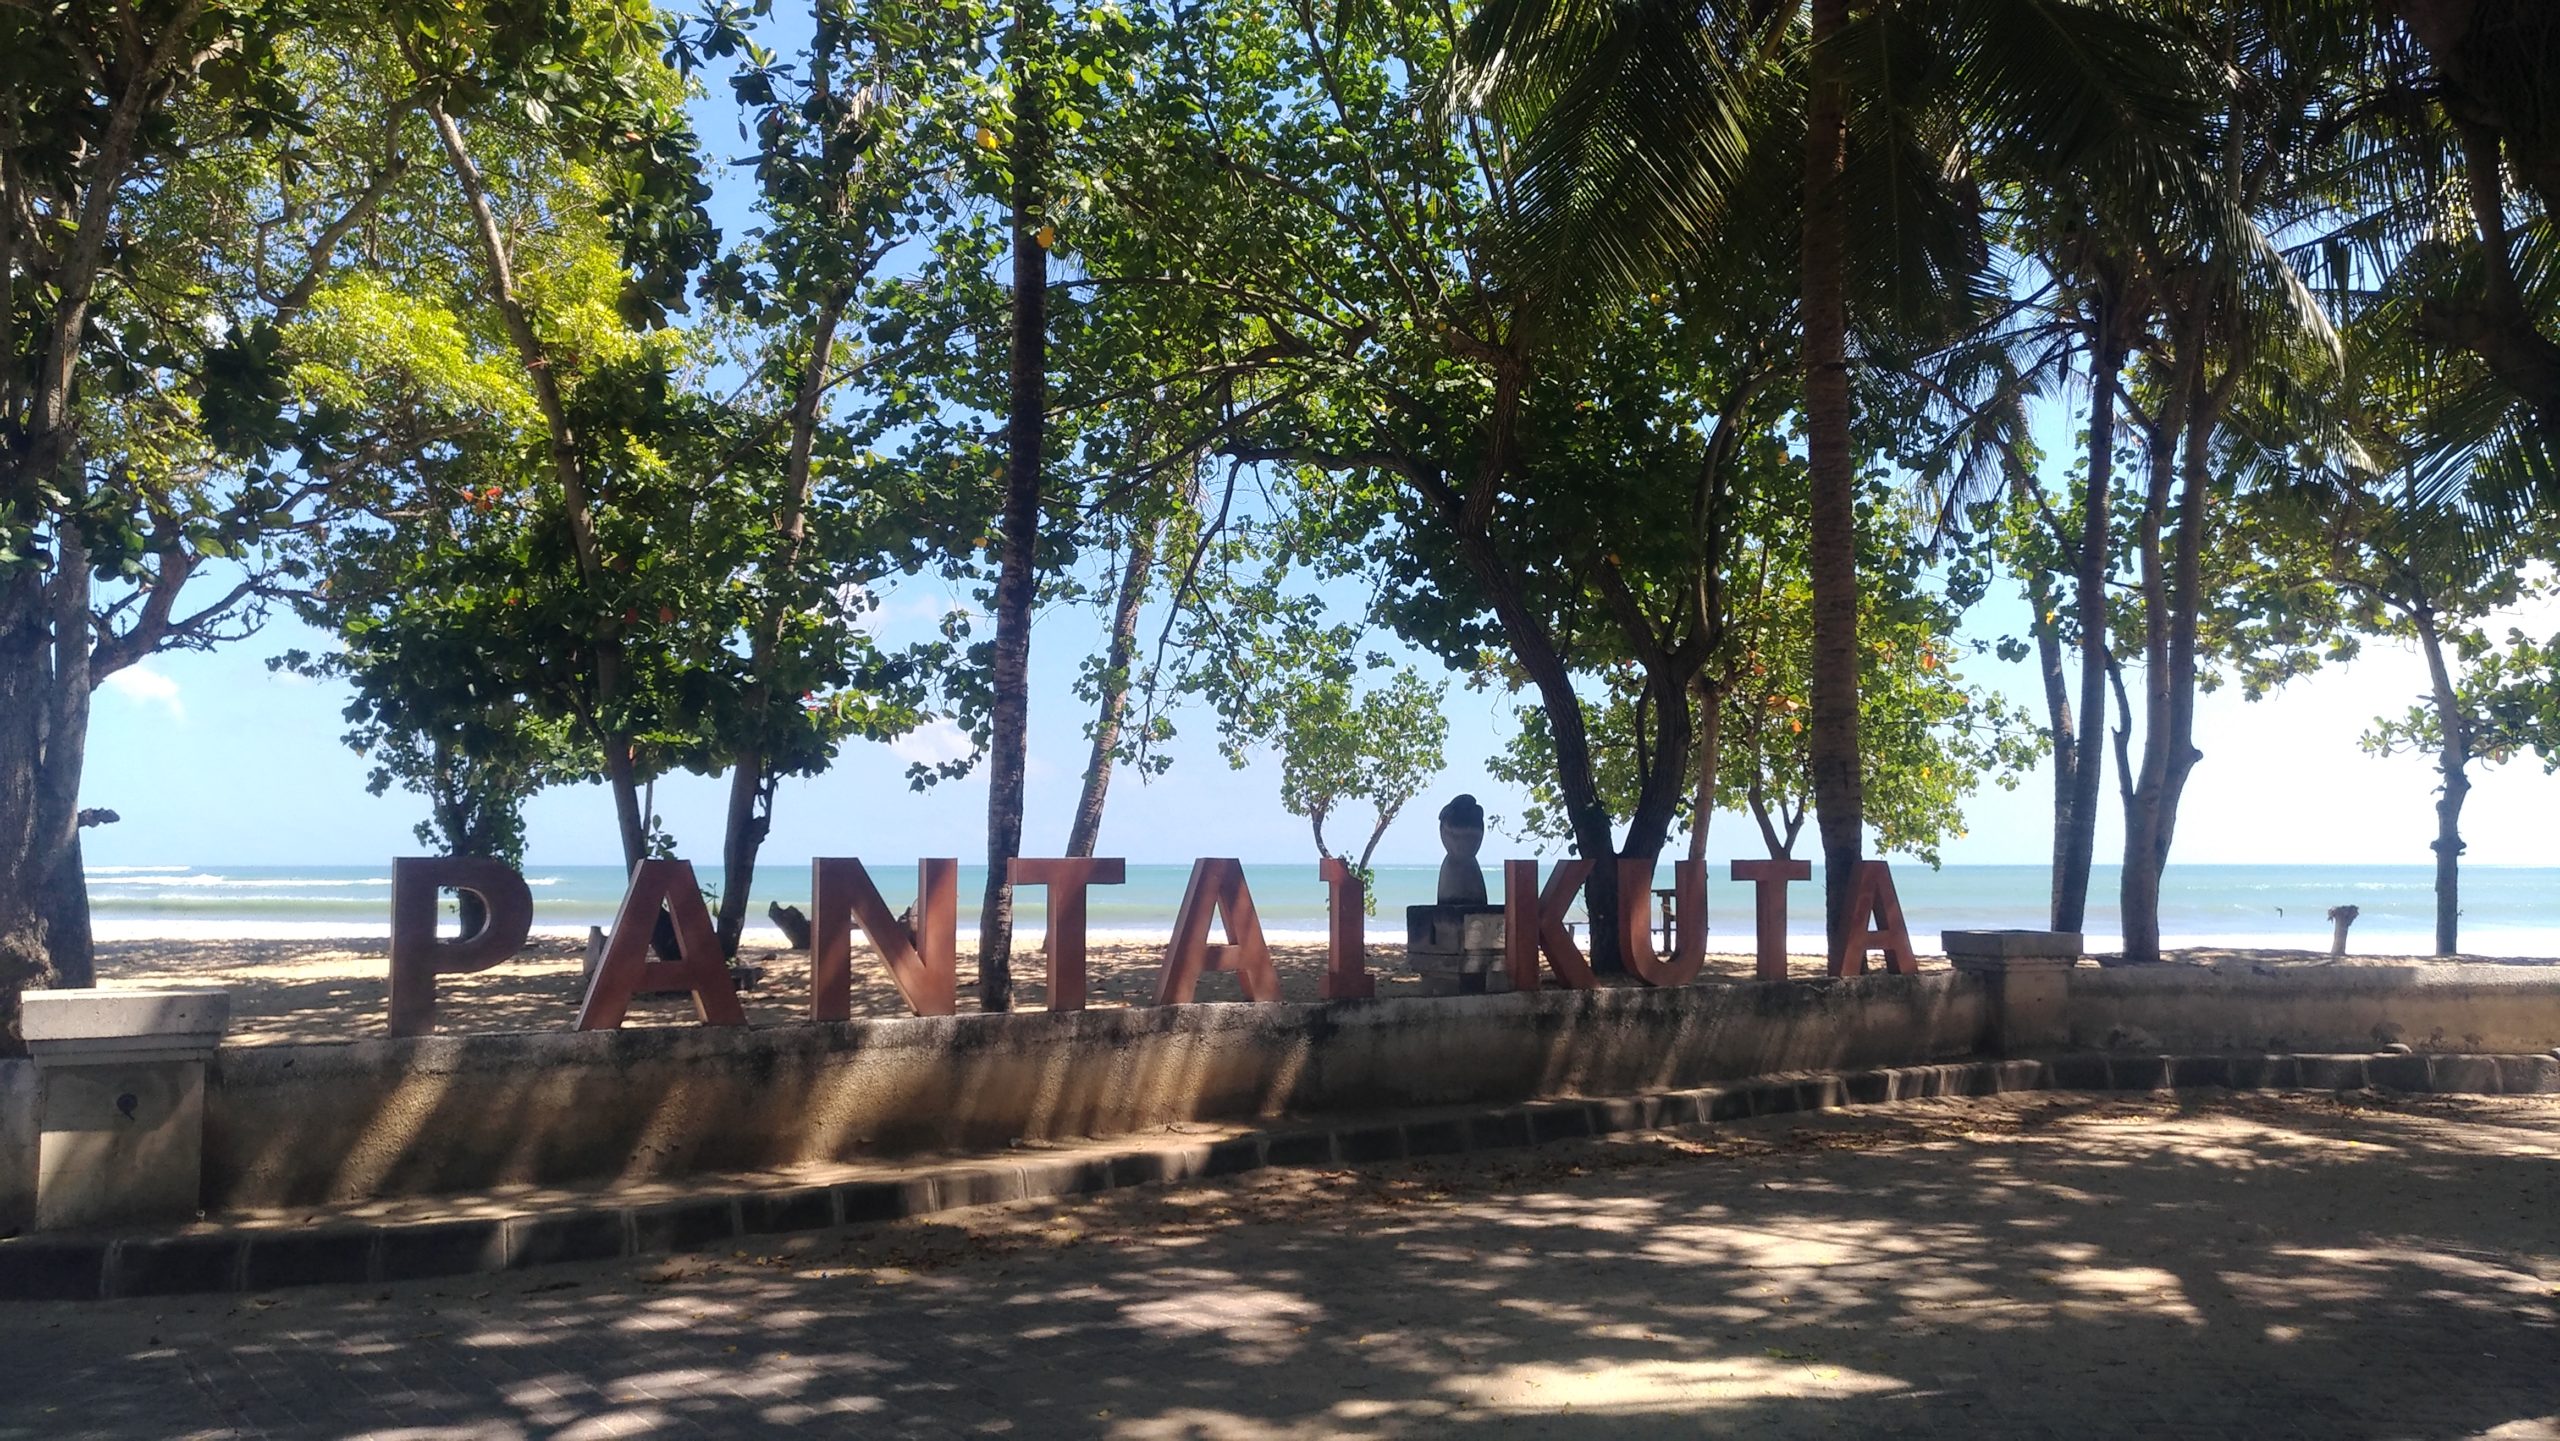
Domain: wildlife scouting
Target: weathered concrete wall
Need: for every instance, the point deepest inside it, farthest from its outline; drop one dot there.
(295, 1125)
(2237, 1006)
(18, 1109)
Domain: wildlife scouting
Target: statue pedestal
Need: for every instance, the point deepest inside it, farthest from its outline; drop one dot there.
(1456, 950)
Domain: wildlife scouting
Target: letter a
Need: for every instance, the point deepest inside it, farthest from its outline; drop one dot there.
(1875, 912)
(1216, 892)
(626, 967)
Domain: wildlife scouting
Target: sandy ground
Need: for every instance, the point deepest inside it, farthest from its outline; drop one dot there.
(2075, 1266)
(307, 990)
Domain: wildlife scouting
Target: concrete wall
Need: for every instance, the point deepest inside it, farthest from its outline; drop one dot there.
(305, 1124)
(18, 1100)
(2237, 1006)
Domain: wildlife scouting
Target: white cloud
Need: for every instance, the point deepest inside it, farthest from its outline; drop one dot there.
(932, 743)
(148, 687)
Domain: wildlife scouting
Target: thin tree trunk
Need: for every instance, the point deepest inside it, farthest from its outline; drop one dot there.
(1710, 755)
(1131, 597)
(1016, 581)
(2075, 840)
(621, 772)
(750, 815)
(2172, 592)
(66, 751)
(1838, 779)
(25, 677)
(2453, 763)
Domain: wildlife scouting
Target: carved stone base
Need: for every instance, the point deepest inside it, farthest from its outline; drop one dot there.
(1456, 950)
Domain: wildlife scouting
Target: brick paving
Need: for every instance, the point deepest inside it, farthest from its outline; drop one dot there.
(2203, 1265)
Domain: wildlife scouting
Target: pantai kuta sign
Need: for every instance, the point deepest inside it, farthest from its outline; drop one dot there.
(922, 950)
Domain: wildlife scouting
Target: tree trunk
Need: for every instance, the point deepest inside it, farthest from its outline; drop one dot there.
(1132, 595)
(2172, 593)
(1710, 753)
(66, 750)
(1838, 781)
(1016, 582)
(2453, 763)
(569, 472)
(25, 678)
(750, 815)
(2075, 838)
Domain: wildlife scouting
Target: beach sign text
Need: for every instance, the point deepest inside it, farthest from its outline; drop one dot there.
(921, 947)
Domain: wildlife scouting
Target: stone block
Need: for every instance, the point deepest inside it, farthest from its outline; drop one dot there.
(339, 1256)
(47, 1269)
(1963, 946)
(1370, 1143)
(1558, 1121)
(2529, 1075)
(2263, 1073)
(180, 1024)
(684, 1225)
(1046, 1176)
(890, 1200)
(580, 1236)
(443, 1248)
(1497, 1129)
(2138, 1073)
(2080, 1071)
(176, 1265)
(122, 1142)
(1233, 1156)
(1444, 930)
(2192, 1072)
(2406, 1072)
(2463, 1075)
(2331, 1073)
(1300, 1148)
(1435, 1138)
(967, 1186)
(121, 1109)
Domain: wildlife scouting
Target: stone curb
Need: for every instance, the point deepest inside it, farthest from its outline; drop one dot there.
(43, 1268)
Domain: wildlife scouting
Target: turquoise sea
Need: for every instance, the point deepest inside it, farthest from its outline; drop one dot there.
(2506, 910)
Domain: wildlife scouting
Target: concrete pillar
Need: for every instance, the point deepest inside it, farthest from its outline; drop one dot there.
(2029, 973)
(120, 1136)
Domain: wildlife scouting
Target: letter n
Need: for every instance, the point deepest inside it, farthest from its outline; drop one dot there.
(922, 960)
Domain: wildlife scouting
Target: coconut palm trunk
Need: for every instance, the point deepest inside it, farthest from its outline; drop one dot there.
(1009, 711)
(1831, 466)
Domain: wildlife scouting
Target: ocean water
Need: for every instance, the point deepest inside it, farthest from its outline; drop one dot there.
(2507, 910)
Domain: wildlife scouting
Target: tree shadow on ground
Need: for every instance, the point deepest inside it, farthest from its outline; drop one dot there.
(2076, 1265)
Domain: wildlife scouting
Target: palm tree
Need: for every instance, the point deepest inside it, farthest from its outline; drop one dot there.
(1653, 127)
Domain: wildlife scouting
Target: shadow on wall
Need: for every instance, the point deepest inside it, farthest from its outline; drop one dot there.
(313, 1124)
(2085, 1266)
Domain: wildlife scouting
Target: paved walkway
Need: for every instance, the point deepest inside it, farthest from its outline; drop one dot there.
(2042, 1265)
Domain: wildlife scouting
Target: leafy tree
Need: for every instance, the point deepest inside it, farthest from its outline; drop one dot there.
(178, 182)
(1656, 136)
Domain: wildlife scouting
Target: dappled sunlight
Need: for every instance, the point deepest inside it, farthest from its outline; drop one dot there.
(1985, 1266)
(1688, 1387)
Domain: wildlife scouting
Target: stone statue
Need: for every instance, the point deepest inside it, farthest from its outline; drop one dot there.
(1462, 834)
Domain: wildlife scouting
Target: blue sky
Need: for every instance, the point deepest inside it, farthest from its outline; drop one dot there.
(211, 759)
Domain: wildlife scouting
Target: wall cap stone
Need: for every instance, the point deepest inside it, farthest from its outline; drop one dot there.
(2058, 947)
(70, 1027)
